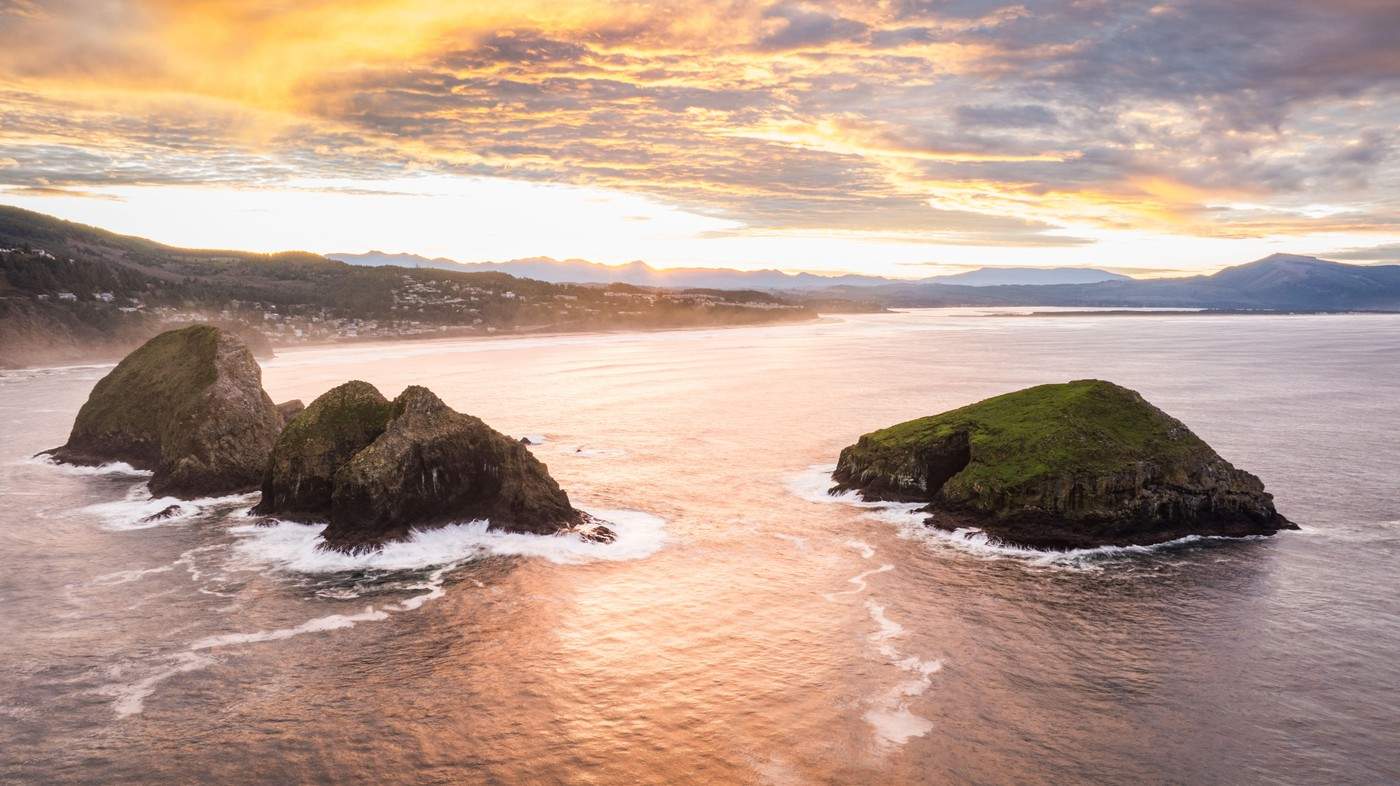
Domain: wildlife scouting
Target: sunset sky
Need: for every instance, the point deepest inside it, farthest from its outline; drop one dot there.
(890, 137)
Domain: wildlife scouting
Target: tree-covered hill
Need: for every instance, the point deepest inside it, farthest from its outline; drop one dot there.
(73, 292)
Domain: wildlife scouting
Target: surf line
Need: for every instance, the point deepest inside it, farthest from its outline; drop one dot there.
(857, 581)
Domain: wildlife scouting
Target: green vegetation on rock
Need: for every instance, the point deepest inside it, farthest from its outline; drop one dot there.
(316, 443)
(374, 470)
(129, 409)
(188, 405)
(1074, 464)
(434, 465)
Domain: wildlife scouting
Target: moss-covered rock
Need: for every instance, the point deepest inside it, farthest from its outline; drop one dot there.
(1081, 464)
(376, 470)
(435, 465)
(315, 444)
(188, 405)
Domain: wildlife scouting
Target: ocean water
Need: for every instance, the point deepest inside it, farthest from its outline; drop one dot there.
(745, 627)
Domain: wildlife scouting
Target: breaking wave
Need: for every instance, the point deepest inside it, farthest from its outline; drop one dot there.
(110, 468)
(139, 510)
(299, 547)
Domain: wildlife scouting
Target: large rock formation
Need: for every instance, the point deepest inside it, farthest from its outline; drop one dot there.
(1076, 465)
(375, 470)
(188, 405)
(315, 444)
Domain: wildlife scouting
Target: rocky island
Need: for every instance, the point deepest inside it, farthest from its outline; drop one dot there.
(1075, 465)
(187, 405)
(375, 470)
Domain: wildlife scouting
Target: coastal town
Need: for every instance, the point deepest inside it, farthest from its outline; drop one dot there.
(83, 300)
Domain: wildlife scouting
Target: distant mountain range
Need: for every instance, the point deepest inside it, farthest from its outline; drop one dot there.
(1026, 276)
(1281, 282)
(579, 271)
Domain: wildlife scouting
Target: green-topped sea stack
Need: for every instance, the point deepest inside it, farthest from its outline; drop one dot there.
(187, 405)
(1075, 465)
(375, 470)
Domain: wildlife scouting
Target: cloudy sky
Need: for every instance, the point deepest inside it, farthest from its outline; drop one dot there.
(890, 137)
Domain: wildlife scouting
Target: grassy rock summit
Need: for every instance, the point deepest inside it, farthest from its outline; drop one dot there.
(188, 405)
(1074, 465)
(375, 470)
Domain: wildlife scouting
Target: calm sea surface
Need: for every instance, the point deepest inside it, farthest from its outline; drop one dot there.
(744, 628)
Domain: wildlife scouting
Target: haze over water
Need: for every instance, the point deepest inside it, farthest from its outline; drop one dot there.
(745, 628)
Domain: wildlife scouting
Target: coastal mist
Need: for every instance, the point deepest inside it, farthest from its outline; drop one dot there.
(744, 626)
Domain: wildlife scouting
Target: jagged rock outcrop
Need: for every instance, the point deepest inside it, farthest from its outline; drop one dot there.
(187, 405)
(315, 444)
(289, 410)
(375, 470)
(1075, 465)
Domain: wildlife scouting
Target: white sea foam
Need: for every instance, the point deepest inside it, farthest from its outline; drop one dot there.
(910, 521)
(894, 727)
(796, 540)
(866, 550)
(434, 591)
(889, 714)
(813, 483)
(110, 468)
(318, 625)
(131, 512)
(298, 547)
(859, 581)
(534, 439)
(190, 559)
(125, 576)
(885, 628)
(130, 698)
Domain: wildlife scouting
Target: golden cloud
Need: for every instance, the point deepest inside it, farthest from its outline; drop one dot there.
(754, 110)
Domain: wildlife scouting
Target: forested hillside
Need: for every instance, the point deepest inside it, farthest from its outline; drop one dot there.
(70, 292)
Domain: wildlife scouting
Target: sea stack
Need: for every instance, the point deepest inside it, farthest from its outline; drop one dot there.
(187, 405)
(375, 470)
(1075, 465)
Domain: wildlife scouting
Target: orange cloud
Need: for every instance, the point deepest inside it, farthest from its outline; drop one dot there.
(1003, 126)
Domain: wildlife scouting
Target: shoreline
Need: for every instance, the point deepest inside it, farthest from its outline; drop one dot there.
(105, 361)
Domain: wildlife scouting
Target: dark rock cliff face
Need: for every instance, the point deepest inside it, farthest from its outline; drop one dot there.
(375, 470)
(188, 405)
(1078, 465)
(432, 464)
